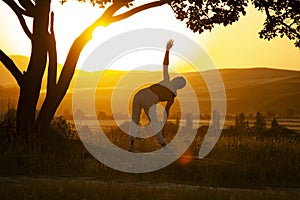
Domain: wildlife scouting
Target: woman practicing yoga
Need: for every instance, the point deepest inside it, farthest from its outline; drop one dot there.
(147, 98)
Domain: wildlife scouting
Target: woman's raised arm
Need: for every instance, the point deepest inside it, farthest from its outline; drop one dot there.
(166, 60)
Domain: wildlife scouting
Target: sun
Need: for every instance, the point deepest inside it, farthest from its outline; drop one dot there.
(72, 17)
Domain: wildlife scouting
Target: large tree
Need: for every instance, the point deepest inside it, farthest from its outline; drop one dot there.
(282, 18)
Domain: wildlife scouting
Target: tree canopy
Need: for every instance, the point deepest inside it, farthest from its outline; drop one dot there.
(282, 19)
(282, 16)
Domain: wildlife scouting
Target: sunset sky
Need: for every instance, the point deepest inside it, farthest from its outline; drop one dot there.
(236, 46)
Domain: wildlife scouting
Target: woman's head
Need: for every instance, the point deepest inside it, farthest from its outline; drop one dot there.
(178, 82)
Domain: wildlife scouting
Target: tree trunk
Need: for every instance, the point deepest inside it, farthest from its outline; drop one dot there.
(25, 113)
(56, 95)
(31, 85)
(46, 114)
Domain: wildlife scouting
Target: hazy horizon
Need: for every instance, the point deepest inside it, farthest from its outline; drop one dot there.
(157, 70)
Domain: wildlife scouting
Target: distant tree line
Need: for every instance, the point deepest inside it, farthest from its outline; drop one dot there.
(242, 127)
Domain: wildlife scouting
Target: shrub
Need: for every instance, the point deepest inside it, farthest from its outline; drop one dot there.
(61, 126)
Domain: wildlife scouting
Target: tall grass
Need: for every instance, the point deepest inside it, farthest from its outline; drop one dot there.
(236, 160)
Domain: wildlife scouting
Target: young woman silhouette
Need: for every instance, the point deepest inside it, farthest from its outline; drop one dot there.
(165, 90)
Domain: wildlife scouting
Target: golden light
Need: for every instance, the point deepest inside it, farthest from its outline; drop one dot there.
(235, 46)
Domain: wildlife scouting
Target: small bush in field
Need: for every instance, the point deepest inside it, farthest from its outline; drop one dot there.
(63, 127)
(7, 126)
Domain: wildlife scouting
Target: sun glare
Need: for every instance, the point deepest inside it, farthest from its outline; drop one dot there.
(73, 17)
(150, 60)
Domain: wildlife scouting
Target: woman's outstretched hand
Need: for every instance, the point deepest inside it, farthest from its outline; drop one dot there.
(169, 44)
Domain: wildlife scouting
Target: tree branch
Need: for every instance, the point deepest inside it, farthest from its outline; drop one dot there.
(24, 26)
(27, 5)
(12, 4)
(117, 4)
(104, 20)
(50, 103)
(290, 29)
(138, 9)
(268, 13)
(270, 18)
(11, 66)
(19, 12)
(79, 43)
(52, 68)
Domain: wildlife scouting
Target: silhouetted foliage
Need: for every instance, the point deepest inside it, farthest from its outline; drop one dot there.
(260, 123)
(283, 19)
(277, 131)
(240, 123)
(274, 124)
(61, 126)
(9, 120)
(8, 126)
(204, 14)
(241, 129)
(10, 115)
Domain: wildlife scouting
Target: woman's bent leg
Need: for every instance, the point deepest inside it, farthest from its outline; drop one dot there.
(136, 112)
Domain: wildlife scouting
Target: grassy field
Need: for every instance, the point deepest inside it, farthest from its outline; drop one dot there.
(239, 167)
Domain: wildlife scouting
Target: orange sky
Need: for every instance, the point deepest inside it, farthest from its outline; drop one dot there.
(233, 46)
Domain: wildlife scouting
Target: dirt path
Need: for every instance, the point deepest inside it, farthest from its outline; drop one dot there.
(161, 185)
(83, 187)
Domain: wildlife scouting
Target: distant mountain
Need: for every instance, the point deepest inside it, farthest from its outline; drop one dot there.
(6, 79)
(262, 89)
(247, 90)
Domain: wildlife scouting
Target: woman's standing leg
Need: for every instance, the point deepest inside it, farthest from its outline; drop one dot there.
(156, 126)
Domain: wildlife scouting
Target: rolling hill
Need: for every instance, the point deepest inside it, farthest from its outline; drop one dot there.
(247, 90)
